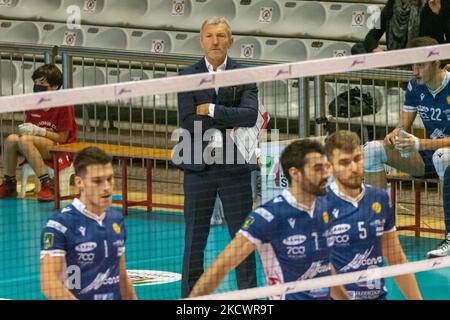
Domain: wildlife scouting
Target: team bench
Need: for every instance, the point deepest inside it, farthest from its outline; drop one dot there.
(417, 183)
(123, 153)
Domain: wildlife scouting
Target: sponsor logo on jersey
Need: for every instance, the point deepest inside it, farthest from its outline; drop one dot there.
(335, 212)
(56, 225)
(277, 199)
(340, 228)
(448, 100)
(104, 296)
(438, 133)
(265, 214)
(100, 280)
(291, 222)
(82, 231)
(248, 222)
(152, 277)
(116, 228)
(119, 243)
(422, 96)
(315, 269)
(294, 240)
(66, 209)
(363, 260)
(376, 206)
(85, 258)
(86, 247)
(296, 252)
(378, 222)
(48, 240)
(326, 217)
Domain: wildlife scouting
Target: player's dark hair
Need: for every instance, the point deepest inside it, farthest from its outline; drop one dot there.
(294, 155)
(343, 140)
(90, 156)
(49, 72)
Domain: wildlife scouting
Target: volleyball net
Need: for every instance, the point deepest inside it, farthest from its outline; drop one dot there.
(138, 123)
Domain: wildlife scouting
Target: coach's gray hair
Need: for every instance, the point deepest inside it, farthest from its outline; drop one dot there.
(217, 20)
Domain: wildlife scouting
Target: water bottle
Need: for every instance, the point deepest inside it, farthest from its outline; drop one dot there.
(403, 134)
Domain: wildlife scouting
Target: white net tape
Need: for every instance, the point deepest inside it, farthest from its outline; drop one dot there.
(304, 69)
(141, 88)
(331, 281)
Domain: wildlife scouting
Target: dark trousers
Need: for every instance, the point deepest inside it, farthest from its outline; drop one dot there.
(200, 190)
(446, 199)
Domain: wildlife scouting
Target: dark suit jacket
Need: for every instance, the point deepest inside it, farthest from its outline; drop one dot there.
(235, 106)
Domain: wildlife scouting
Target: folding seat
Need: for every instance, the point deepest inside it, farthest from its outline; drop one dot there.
(256, 17)
(20, 32)
(151, 41)
(59, 34)
(247, 47)
(288, 50)
(106, 37)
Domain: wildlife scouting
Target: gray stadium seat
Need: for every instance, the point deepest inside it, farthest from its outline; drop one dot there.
(187, 43)
(320, 49)
(88, 76)
(106, 38)
(151, 41)
(256, 17)
(20, 32)
(345, 21)
(28, 9)
(286, 49)
(301, 18)
(247, 48)
(60, 34)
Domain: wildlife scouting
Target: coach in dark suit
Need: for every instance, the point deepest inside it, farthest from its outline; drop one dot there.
(211, 172)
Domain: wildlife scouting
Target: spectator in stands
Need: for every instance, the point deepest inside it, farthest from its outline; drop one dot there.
(220, 109)
(427, 94)
(403, 20)
(85, 242)
(42, 129)
(291, 232)
(435, 22)
(400, 20)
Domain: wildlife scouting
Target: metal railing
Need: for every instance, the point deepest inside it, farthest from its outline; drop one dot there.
(298, 107)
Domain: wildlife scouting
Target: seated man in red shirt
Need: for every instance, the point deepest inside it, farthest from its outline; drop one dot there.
(42, 129)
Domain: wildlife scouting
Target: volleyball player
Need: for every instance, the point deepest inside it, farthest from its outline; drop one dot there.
(363, 223)
(83, 246)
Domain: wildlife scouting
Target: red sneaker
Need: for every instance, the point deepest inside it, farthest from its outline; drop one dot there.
(8, 190)
(47, 192)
